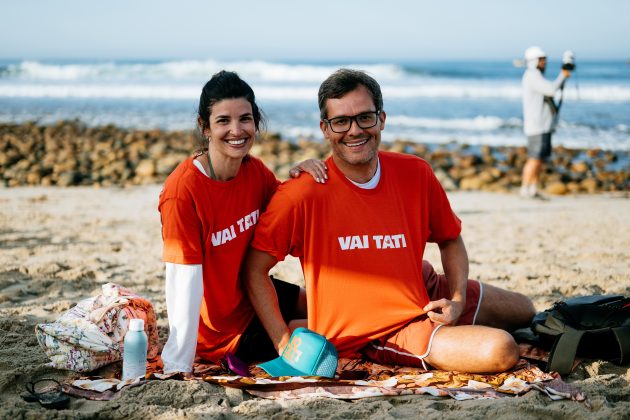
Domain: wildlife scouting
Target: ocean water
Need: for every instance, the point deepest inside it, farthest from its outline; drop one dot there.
(473, 102)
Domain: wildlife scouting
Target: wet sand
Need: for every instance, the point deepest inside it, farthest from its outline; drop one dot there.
(59, 245)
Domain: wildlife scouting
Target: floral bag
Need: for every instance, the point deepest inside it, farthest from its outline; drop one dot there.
(90, 334)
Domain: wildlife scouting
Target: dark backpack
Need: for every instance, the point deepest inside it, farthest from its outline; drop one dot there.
(592, 327)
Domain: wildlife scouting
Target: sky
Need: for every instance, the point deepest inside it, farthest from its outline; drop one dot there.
(322, 30)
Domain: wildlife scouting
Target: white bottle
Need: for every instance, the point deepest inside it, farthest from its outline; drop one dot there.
(135, 350)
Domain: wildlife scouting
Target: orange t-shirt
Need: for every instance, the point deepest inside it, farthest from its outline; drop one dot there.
(361, 250)
(211, 223)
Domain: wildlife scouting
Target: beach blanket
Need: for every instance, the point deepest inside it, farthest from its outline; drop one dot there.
(355, 379)
(360, 379)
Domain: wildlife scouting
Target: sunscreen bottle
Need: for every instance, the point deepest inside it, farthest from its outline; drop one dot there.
(135, 350)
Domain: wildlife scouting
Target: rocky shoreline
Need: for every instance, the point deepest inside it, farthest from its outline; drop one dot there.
(70, 153)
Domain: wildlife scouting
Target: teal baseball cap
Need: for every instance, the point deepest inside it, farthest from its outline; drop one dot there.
(307, 354)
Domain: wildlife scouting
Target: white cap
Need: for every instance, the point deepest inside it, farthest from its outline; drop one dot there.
(534, 53)
(136, 324)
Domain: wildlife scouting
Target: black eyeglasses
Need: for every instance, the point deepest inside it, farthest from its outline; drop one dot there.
(343, 123)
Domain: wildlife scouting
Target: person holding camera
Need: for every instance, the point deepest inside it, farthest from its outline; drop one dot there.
(539, 114)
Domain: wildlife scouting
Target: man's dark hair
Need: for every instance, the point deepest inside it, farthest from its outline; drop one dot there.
(346, 80)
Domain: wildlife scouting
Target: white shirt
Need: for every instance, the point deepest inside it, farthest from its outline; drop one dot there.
(184, 291)
(538, 117)
(372, 183)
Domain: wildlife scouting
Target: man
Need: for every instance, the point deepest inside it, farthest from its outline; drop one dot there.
(360, 239)
(539, 116)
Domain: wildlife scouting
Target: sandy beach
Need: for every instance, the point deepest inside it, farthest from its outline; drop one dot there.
(59, 245)
(98, 106)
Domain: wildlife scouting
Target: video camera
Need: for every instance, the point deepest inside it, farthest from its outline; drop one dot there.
(568, 60)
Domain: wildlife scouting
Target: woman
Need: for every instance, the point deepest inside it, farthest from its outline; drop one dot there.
(209, 207)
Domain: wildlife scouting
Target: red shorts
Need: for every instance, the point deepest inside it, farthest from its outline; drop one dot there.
(411, 344)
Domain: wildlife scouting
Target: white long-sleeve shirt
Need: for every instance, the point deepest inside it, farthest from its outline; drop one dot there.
(538, 116)
(184, 293)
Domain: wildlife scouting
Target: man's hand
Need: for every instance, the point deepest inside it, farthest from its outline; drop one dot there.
(262, 294)
(455, 263)
(284, 340)
(444, 311)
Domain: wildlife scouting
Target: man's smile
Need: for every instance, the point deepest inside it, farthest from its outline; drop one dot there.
(356, 143)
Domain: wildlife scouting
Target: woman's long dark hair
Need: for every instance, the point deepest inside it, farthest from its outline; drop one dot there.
(226, 85)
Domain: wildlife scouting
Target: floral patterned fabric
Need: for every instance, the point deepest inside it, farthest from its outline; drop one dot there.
(91, 334)
(356, 379)
(381, 380)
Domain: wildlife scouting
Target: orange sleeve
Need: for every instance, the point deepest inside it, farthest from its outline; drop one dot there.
(278, 231)
(444, 225)
(181, 232)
